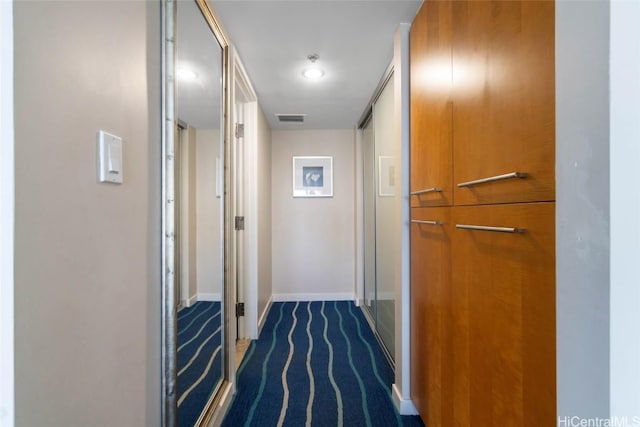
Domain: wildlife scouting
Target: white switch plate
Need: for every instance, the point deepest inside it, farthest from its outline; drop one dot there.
(109, 158)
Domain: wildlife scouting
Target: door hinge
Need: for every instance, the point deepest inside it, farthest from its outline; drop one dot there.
(239, 221)
(239, 130)
(239, 309)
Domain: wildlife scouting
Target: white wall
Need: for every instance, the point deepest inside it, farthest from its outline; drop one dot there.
(402, 385)
(264, 213)
(6, 215)
(313, 243)
(208, 213)
(87, 270)
(625, 209)
(582, 217)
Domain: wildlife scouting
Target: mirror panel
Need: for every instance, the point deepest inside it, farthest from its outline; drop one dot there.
(368, 181)
(379, 201)
(194, 327)
(385, 202)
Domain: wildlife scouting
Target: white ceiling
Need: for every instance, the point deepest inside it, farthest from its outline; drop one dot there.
(354, 39)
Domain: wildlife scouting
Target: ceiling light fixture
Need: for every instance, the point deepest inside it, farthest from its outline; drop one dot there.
(186, 74)
(313, 73)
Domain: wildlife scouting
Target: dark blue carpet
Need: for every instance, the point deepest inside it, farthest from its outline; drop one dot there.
(199, 358)
(315, 364)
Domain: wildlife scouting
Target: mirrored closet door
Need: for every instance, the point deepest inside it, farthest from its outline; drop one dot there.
(194, 325)
(379, 201)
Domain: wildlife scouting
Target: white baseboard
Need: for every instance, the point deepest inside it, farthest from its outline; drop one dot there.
(204, 296)
(192, 300)
(339, 296)
(263, 315)
(404, 406)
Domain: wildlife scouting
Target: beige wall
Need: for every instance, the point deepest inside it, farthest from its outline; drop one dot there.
(208, 215)
(87, 274)
(188, 220)
(264, 212)
(313, 238)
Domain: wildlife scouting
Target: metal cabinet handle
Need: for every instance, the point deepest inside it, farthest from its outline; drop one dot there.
(418, 221)
(494, 178)
(428, 190)
(494, 229)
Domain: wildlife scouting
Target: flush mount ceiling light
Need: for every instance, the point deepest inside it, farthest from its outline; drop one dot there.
(186, 74)
(313, 72)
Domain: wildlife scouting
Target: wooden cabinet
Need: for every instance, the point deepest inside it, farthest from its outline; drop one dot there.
(483, 295)
(431, 315)
(483, 315)
(431, 107)
(503, 100)
(503, 305)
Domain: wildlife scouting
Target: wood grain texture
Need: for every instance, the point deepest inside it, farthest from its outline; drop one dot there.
(483, 303)
(504, 317)
(431, 316)
(504, 100)
(431, 108)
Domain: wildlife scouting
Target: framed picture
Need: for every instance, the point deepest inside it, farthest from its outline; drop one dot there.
(312, 176)
(386, 176)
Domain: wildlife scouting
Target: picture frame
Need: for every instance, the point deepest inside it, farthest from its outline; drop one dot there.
(386, 176)
(312, 176)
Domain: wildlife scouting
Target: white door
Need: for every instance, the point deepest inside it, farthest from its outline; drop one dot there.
(239, 209)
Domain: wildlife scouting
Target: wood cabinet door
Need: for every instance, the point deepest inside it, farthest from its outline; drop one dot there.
(503, 101)
(431, 108)
(431, 317)
(503, 293)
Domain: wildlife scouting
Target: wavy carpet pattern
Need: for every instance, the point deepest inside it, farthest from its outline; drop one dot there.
(199, 358)
(315, 364)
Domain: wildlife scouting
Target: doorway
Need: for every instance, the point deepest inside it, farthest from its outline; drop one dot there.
(244, 178)
(239, 175)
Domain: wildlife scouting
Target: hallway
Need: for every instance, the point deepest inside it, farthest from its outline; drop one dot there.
(82, 298)
(316, 363)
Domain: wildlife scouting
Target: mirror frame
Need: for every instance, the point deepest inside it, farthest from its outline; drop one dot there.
(169, 313)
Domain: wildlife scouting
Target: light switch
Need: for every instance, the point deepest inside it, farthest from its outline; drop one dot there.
(109, 158)
(115, 157)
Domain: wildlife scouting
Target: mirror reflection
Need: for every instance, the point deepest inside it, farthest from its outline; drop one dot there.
(379, 201)
(199, 213)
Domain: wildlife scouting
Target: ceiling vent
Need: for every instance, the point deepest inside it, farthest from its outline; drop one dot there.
(290, 118)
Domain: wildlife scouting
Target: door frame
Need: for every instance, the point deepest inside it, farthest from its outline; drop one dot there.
(221, 398)
(244, 96)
